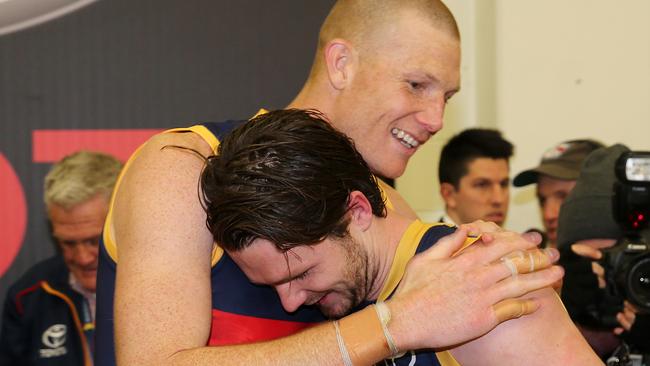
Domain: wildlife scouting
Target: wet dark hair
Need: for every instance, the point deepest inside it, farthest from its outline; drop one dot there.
(285, 176)
(468, 145)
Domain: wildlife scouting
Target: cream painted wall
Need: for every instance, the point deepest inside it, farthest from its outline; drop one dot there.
(543, 72)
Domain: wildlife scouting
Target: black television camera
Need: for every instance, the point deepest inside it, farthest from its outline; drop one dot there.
(627, 263)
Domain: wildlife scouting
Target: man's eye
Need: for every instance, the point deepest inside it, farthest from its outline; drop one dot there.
(482, 185)
(94, 241)
(302, 276)
(448, 96)
(416, 85)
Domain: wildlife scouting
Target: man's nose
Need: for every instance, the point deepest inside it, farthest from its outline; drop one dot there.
(291, 296)
(84, 254)
(431, 114)
(551, 210)
(499, 194)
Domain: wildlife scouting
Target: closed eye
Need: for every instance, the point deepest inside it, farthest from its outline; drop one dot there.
(301, 276)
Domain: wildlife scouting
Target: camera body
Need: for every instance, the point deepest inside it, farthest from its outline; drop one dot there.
(627, 272)
(627, 263)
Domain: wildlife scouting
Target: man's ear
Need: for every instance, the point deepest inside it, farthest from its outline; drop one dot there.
(448, 193)
(339, 59)
(360, 210)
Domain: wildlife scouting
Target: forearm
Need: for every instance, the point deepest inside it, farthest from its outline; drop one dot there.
(360, 334)
(316, 345)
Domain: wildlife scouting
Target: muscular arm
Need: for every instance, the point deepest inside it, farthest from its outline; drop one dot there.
(162, 292)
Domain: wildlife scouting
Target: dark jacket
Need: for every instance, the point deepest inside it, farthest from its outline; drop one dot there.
(40, 319)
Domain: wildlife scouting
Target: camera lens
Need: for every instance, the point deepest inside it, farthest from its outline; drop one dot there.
(638, 282)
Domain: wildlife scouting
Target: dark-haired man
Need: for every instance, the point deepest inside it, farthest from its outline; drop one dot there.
(475, 176)
(382, 74)
(337, 248)
(555, 177)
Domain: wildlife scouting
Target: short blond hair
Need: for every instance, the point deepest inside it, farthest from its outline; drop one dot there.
(360, 21)
(79, 177)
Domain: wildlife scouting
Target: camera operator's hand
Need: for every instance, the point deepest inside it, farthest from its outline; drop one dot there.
(584, 280)
(588, 249)
(626, 318)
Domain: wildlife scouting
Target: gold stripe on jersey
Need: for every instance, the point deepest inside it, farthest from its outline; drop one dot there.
(109, 233)
(405, 251)
(213, 142)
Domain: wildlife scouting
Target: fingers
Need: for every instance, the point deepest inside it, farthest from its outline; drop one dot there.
(600, 273)
(624, 321)
(502, 244)
(586, 251)
(448, 245)
(533, 236)
(530, 260)
(479, 227)
(627, 317)
(521, 262)
(525, 283)
(513, 308)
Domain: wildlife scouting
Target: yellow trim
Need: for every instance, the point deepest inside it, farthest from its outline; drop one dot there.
(109, 234)
(446, 359)
(75, 317)
(405, 251)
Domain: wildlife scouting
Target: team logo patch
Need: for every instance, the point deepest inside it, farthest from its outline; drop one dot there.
(54, 339)
(556, 151)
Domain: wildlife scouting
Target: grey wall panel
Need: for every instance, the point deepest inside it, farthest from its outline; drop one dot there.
(120, 64)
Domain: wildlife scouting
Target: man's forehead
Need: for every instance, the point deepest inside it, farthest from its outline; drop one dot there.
(485, 166)
(547, 184)
(416, 46)
(264, 263)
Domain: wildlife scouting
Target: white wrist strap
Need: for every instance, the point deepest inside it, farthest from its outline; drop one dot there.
(347, 361)
(383, 313)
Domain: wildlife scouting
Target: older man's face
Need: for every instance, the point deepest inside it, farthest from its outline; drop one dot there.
(78, 231)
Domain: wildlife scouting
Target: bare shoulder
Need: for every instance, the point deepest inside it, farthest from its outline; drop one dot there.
(547, 336)
(161, 185)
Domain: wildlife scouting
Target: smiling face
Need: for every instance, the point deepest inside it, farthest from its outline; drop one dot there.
(396, 98)
(482, 194)
(77, 231)
(332, 275)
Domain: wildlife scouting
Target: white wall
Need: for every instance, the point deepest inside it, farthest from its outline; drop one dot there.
(543, 72)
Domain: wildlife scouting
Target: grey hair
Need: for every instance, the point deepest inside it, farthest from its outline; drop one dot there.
(79, 177)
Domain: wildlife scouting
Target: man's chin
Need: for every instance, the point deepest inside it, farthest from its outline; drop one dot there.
(87, 281)
(335, 311)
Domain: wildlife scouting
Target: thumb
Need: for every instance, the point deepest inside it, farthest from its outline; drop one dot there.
(586, 251)
(448, 245)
